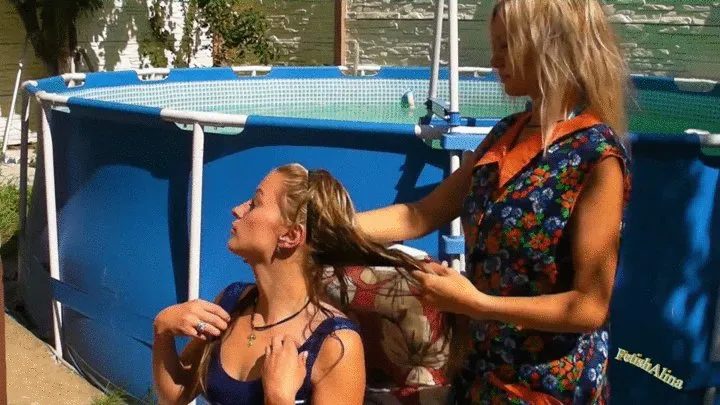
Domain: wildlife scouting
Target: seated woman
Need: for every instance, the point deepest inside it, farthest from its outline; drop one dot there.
(276, 341)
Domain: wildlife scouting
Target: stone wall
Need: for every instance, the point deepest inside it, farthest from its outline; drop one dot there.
(401, 32)
(680, 38)
(11, 47)
(304, 28)
(672, 37)
(110, 37)
(659, 36)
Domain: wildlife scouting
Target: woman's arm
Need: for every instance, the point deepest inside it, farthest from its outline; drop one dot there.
(413, 220)
(173, 375)
(338, 375)
(595, 245)
(595, 231)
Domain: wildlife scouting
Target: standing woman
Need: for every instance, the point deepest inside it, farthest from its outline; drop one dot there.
(542, 201)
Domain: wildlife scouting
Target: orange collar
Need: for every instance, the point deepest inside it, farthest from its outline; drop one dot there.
(512, 161)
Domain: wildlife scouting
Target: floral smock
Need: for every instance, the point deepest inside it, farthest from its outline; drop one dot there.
(514, 219)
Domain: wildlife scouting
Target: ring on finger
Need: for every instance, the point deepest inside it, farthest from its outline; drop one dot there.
(200, 326)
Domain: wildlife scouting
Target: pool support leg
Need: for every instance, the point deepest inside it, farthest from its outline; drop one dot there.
(23, 186)
(196, 211)
(49, 164)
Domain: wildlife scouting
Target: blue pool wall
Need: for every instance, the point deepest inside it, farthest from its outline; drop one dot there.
(123, 186)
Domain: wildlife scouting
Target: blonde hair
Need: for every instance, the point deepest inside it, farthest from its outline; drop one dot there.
(318, 201)
(573, 47)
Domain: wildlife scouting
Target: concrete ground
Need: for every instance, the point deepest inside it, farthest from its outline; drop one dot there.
(10, 172)
(34, 377)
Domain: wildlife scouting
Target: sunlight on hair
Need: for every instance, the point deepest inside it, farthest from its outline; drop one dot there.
(575, 53)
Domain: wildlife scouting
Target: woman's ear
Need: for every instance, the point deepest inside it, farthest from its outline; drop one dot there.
(293, 237)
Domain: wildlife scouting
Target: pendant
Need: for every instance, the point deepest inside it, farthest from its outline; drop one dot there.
(251, 339)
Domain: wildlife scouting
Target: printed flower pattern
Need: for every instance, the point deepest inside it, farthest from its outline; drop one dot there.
(512, 237)
(403, 339)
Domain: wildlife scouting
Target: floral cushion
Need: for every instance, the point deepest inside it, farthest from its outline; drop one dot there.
(405, 345)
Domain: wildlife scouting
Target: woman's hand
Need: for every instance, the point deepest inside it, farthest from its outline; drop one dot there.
(196, 318)
(283, 370)
(447, 290)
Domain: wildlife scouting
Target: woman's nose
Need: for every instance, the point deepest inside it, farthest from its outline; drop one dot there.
(240, 210)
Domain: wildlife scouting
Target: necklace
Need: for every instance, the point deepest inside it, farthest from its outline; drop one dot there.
(251, 338)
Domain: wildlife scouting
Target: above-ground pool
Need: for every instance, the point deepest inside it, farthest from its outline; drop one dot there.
(122, 146)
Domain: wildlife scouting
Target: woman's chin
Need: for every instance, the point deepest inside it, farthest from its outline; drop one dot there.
(232, 247)
(513, 89)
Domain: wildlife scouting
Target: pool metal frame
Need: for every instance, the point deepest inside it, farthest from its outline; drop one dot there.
(455, 138)
(198, 120)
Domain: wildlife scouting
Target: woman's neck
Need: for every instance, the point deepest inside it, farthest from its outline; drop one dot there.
(282, 291)
(571, 102)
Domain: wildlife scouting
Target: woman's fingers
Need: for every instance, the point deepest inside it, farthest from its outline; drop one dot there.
(279, 344)
(302, 359)
(436, 268)
(206, 318)
(193, 331)
(213, 321)
(276, 343)
(423, 280)
(442, 268)
(419, 276)
(215, 309)
(290, 341)
(204, 323)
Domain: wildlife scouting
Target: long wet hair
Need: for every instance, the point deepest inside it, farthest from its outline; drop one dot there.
(573, 47)
(318, 201)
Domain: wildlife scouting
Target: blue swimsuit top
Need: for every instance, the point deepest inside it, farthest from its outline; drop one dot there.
(223, 389)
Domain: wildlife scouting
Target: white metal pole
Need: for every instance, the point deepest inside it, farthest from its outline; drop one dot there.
(454, 64)
(196, 211)
(52, 223)
(12, 103)
(22, 208)
(437, 45)
(458, 263)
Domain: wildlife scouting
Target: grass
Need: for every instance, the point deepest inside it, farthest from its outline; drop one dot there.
(117, 396)
(9, 217)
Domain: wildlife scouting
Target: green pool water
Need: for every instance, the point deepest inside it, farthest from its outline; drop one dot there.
(649, 122)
